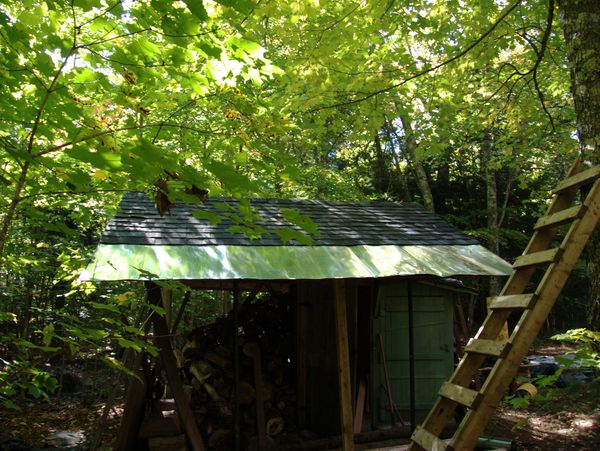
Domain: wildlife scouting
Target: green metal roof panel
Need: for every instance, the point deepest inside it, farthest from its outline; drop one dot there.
(227, 262)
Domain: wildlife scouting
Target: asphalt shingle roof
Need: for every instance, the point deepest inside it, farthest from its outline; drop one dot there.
(339, 224)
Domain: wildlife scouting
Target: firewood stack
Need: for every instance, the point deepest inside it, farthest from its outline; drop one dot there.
(207, 363)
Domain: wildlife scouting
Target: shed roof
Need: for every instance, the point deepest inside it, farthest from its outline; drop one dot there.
(367, 239)
(339, 224)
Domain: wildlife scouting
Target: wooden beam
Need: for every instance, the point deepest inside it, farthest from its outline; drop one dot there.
(252, 350)
(341, 329)
(163, 341)
(360, 407)
(282, 286)
(133, 413)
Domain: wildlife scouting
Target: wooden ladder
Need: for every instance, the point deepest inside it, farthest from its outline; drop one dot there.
(534, 308)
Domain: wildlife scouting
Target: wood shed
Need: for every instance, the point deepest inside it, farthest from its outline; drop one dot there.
(368, 285)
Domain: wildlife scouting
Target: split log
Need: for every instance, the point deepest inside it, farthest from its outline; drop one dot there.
(221, 403)
(275, 426)
(209, 365)
(202, 370)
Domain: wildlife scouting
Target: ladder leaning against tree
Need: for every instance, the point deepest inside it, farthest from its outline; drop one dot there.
(534, 308)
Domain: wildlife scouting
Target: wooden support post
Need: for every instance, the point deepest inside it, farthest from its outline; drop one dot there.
(163, 341)
(411, 354)
(236, 366)
(360, 407)
(133, 414)
(301, 365)
(252, 350)
(341, 329)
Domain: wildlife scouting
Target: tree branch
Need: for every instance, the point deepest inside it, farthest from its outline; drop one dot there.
(103, 13)
(450, 60)
(71, 193)
(540, 57)
(105, 58)
(91, 136)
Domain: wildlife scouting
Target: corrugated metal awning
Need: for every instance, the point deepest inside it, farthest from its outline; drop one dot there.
(230, 262)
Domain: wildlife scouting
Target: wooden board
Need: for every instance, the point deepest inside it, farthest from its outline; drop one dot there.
(170, 366)
(341, 326)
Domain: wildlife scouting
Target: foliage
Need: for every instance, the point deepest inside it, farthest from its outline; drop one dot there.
(584, 357)
(405, 101)
(18, 377)
(588, 338)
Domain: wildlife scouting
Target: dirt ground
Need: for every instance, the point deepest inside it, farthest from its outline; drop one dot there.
(559, 419)
(565, 419)
(37, 421)
(569, 422)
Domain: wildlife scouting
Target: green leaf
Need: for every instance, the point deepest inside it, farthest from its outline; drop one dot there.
(85, 75)
(119, 366)
(211, 217)
(242, 6)
(288, 234)
(8, 316)
(305, 222)
(34, 390)
(250, 47)
(95, 334)
(48, 334)
(157, 309)
(231, 178)
(144, 47)
(109, 307)
(520, 424)
(196, 7)
(211, 50)
(100, 159)
(11, 405)
(124, 343)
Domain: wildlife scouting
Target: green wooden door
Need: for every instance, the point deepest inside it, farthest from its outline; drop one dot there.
(434, 360)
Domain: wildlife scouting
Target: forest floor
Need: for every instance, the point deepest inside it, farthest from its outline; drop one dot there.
(565, 419)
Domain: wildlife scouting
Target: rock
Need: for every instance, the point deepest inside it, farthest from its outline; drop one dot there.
(65, 440)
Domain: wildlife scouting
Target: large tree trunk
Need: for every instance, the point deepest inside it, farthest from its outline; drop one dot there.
(580, 20)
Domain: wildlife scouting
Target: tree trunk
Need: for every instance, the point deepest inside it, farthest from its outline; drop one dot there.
(12, 208)
(580, 20)
(417, 164)
(404, 189)
(380, 176)
(493, 240)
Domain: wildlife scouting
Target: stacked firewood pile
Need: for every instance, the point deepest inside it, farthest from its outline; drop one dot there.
(266, 392)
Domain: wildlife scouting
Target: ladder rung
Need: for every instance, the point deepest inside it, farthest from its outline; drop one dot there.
(493, 348)
(562, 217)
(461, 395)
(427, 440)
(537, 258)
(512, 301)
(578, 180)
